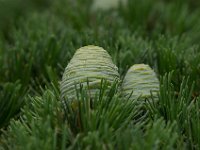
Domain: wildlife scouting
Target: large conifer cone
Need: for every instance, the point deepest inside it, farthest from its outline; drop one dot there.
(140, 81)
(90, 64)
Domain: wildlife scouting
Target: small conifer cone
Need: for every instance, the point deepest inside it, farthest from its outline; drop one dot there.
(90, 64)
(140, 81)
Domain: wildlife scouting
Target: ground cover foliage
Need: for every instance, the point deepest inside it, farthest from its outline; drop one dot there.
(37, 43)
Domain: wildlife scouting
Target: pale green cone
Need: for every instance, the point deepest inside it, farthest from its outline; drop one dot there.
(107, 4)
(141, 81)
(89, 64)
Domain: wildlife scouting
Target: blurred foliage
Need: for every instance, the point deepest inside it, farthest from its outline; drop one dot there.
(12, 10)
(11, 99)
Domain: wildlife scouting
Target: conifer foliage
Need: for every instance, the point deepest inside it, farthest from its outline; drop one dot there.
(41, 71)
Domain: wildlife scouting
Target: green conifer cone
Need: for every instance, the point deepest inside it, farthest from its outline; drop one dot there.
(90, 64)
(140, 81)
